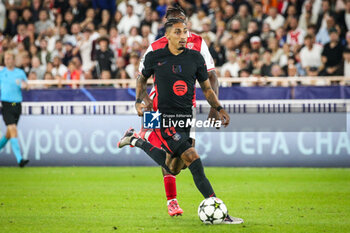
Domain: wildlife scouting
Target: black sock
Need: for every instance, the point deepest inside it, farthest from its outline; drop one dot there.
(200, 179)
(155, 153)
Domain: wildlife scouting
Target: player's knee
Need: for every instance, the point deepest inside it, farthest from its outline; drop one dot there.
(190, 155)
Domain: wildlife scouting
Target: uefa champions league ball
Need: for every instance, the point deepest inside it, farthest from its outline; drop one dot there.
(212, 210)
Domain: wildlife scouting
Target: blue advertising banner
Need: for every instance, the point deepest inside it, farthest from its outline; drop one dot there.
(78, 140)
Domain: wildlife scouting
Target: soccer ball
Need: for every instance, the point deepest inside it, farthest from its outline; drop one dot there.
(212, 210)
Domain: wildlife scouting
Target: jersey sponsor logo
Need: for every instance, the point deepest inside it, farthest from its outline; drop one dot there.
(190, 45)
(180, 88)
(162, 63)
(177, 69)
(151, 120)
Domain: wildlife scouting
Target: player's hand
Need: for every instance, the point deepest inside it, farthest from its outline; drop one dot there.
(225, 118)
(213, 115)
(140, 107)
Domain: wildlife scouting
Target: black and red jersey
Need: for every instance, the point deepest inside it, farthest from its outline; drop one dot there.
(175, 78)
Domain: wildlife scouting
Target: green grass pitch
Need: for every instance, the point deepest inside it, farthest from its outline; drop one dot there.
(132, 199)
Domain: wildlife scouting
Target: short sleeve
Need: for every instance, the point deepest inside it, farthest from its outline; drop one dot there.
(23, 76)
(207, 56)
(201, 73)
(149, 49)
(148, 68)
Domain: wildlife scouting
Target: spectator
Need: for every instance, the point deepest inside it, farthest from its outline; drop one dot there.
(134, 36)
(276, 71)
(132, 68)
(258, 14)
(323, 34)
(323, 16)
(217, 51)
(68, 55)
(231, 67)
(106, 19)
(276, 51)
(255, 44)
(38, 68)
(26, 63)
(58, 68)
(197, 20)
(21, 33)
(85, 48)
(253, 29)
(307, 18)
(44, 23)
(128, 21)
(104, 56)
(274, 19)
(89, 18)
(17, 5)
(27, 16)
(12, 22)
(147, 33)
(295, 36)
(254, 65)
(266, 33)
(347, 40)
(77, 10)
(35, 8)
(2, 16)
(44, 54)
(267, 64)
(344, 17)
(68, 21)
(243, 16)
(332, 55)
(206, 31)
(310, 54)
(72, 72)
(345, 68)
(34, 51)
(229, 13)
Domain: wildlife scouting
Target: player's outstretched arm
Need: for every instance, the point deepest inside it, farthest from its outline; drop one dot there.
(214, 102)
(141, 93)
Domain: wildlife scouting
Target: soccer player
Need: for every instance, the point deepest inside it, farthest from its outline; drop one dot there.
(194, 42)
(176, 70)
(12, 80)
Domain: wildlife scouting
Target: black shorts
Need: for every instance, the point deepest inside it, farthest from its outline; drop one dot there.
(11, 112)
(175, 142)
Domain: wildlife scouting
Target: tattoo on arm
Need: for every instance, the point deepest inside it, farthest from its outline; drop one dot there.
(209, 94)
(141, 87)
(214, 81)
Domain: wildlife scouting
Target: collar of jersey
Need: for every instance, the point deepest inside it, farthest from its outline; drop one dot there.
(168, 51)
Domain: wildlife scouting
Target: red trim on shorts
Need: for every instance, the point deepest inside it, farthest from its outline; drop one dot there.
(159, 134)
(211, 69)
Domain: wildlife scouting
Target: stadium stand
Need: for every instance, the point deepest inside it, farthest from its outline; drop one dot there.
(71, 43)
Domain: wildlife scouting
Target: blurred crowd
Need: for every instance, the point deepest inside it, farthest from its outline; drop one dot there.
(105, 39)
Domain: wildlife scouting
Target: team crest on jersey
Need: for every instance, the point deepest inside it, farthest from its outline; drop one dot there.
(177, 69)
(190, 45)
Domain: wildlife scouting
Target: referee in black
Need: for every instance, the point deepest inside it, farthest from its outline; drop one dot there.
(176, 70)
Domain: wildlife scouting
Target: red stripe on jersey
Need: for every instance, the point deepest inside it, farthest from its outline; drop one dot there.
(155, 99)
(194, 98)
(159, 134)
